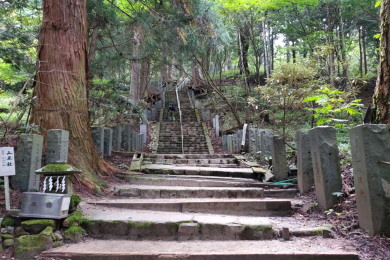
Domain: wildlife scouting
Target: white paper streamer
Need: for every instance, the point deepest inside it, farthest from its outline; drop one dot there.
(50, 183)
(57, 183)
(44, 185)
(63, 184)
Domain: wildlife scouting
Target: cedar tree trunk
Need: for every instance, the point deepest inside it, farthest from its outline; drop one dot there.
(61, 82)
(382, 89)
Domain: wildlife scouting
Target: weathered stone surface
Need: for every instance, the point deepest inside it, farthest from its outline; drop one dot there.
(143, 129)
(116, 138)
(224, 142)
(304, 163)
(217, 125)
(35, 226)
(126, 139)
(266, 136)
(26, 247)
(188, 231)
(107, 141)
(230, 143)
(279, 160)
(370, 145)
(253, 139)
(8, 243)
(28, 159)
(326, 165)
(74, 233)
(98, 139)
(57, 146)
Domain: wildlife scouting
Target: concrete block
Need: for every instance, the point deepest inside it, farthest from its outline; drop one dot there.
(279, 160)
(57, 146)
(326, 165)
(98, 139)
(28, 158)
(107, 141)
(370, 146)
(304, 163)
(116, 137)
(188, 231)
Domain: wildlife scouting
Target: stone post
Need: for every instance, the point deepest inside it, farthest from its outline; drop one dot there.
(143, 129)
(107, 141)
(224, 142)
(304, 163)
(98, 139)
(230, 143)
(326, 165)
(126, 137)
(57, 146)
(266, 136)
(279, 160)
(116, 137)
(370, 146)
(217, 125)
(28, 158)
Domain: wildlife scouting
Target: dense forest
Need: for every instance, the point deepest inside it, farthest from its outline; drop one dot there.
(286, 63)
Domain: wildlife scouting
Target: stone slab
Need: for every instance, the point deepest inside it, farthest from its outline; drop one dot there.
(107, 141)
(116, 137)
(266, 136)
(279, 159)
(57, 146)
(98, 139)
(326, 165)
(304, 163)
(370, 145)
(28, 158)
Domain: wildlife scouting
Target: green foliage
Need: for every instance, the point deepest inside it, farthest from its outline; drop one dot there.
(334, 107)
(77, 219)
(74, 202)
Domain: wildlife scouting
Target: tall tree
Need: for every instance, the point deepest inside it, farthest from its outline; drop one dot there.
(382, 89)
(61, 81)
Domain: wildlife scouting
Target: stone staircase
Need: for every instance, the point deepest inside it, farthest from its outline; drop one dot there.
(198, 217)
(170, 141)
(196, 207)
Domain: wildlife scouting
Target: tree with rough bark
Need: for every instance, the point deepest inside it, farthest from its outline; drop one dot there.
(61, 92)
(382, 89)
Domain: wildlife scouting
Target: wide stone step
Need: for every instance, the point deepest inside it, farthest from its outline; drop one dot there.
(238, 207)
(300, 249)
(189, 156)
(152, 192)
(270, 190)
(230, 161)
(191, 170)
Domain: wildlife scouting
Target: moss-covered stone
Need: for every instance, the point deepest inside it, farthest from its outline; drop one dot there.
(48, 231)
(58, 244)
(6, 236)
(58, 236)
(74, 202)
(35, 226)
(58, 167)
(26, 247)
(8, 243)
(76, 219)
(8, 222)
(74, 234)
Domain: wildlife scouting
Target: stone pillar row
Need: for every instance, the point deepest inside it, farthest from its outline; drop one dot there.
(120, 137)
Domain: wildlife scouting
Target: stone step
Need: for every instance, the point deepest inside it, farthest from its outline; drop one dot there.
(204, 171)
(301, 249)
(238, 207)
(189, 156)
(228, 161)
(152, 192)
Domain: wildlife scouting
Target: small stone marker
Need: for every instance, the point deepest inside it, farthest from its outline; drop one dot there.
(230, 143)
(304, 163)
(370, 146)
(266, 136)
(243, 140)
(57, 146)
(107, 141)
(217, 125)
(116, 137)
(143, 129)
(286, 234)
(279, 160)
(28, 159)
(326, 165)
(98, 139)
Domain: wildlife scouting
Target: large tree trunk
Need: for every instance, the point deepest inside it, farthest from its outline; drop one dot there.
(135, 84)
(61, 81)
(382, 89)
